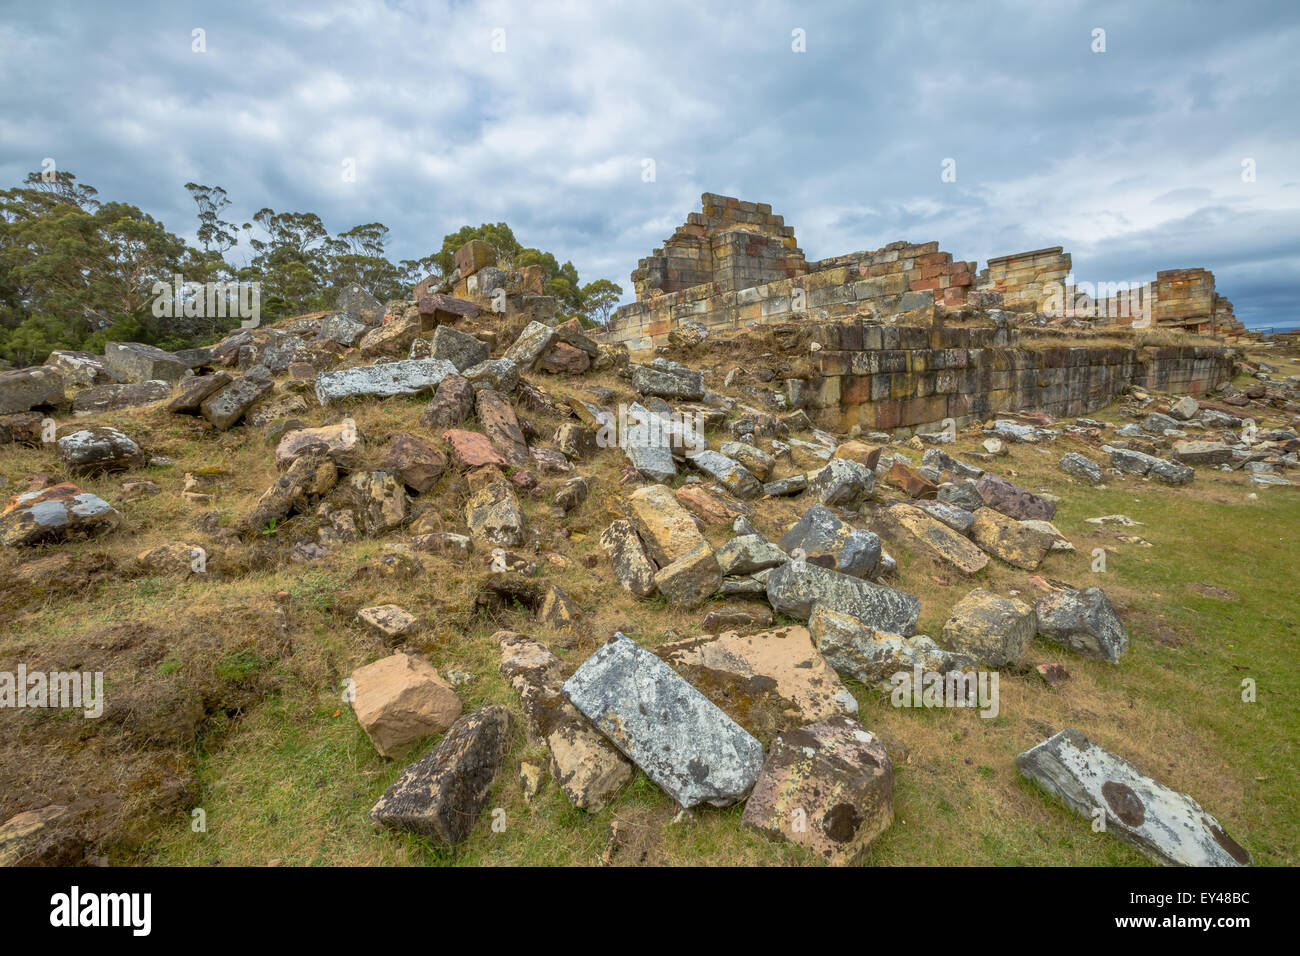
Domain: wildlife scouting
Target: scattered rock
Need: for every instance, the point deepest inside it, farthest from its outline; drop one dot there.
(677, 736)
(399, 699)
(989, 628)
(441, 795)
(828, 786)
(1169, 827)
(1085, 622)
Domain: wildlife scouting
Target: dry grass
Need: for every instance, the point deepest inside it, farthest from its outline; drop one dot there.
(286, 773)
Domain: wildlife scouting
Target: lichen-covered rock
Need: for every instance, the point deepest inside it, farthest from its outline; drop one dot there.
(442, 794)
(23, 389)
(872, 657)
(1006, 538)
(300, 486)
(797, 587)
(1084, 621)
(100, 448)
(55, 513)
(841, 482)
(747, 553)
(390, 622)
(500, 374)
(824, 539)
(729, 473)
(586, 765)
(629, 559)
(532, 342)
(989, 628)
(340, 443)
(1202, 452)
(226, 407)
(112, 398)
(646, 444)
(399, 699)
(668, 380)
(135, 362)
(452, 404)
(1081, 467)
(940, 459)
(415, 462)
(501, 425)
(758, 462)
(459, 348)
(190, 393)
(690, 580)
(1169, 827)
(341, 329)
(668, 530)
(1012, 500)
(1139, 463)
(938, 538)
(384, 380)
(766, 682)
(493, 515)
(828, 786)
(676, 735)
(378, 498)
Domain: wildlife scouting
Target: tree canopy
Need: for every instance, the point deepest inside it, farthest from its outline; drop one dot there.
(76, 271)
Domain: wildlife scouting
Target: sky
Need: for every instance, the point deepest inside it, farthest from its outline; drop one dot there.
(1170, 140)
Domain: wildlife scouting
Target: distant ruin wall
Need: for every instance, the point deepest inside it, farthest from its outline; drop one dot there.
(890, 378)
(736, 265)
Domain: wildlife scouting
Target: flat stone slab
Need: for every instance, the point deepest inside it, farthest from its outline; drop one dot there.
(385, 380)
(1170, 827)
(766, 682)
(676, 735)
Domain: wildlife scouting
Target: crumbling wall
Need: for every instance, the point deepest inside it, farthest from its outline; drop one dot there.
(1023, 278)
(892, 378)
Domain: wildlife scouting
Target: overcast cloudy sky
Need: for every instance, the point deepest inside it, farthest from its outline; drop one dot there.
(1132, 159)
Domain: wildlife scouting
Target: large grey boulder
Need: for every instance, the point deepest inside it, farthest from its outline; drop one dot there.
(1081, 467)
(341, 329)
(841, 482)
(629, 559)
(1139, 463)
(826, 540)
(961, 494)
(668, 380)
(111, 398)
(872, 657)
(676, 735)
(360, 306)
(442, 794)
(729, 473)
(1084, 621)
(747, 553)
(500, 374)
(940, 459)
(100, 449)
(385, 380)
(1169, 827)
(459, 348)
(226, 407)
(135, 362)
(1202, 452)
(646, 445)
(533, 341)
(26, 388)
(1158, 424)
(797, 587)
